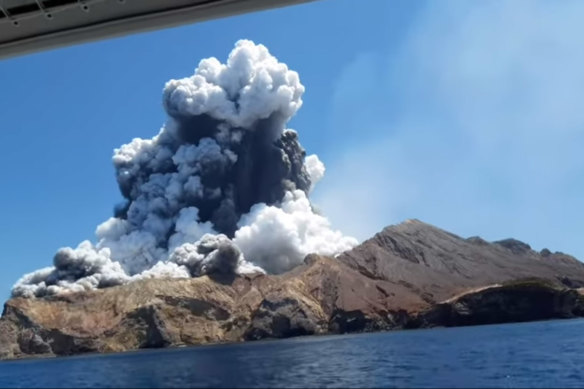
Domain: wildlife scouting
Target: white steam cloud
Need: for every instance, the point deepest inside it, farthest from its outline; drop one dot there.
(222, 188)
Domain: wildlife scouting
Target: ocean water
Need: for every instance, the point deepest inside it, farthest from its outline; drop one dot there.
(539, 354)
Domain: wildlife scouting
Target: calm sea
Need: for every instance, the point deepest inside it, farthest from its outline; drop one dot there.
(541, 354)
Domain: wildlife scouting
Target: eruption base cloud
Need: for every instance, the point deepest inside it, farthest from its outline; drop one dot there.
(222, 188)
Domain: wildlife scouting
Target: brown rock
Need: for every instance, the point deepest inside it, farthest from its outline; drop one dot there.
(435, 264)
(517, 301)
(409, 275)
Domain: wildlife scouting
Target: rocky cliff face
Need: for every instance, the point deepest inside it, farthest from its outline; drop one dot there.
(322, 296)
(525, 300)
(409, 275)
(435, 264)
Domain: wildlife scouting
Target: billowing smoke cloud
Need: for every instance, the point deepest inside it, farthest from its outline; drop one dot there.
(222, 188)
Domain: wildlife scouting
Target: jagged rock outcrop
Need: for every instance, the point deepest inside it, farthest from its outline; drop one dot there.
(519, 301)
(407, 276)
(320, 297)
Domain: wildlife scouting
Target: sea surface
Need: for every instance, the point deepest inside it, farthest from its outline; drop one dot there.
(539, 354)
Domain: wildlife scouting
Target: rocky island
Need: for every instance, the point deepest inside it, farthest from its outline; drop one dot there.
(411, 275)
(216, 240)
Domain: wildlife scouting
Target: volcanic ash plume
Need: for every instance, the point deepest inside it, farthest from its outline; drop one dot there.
(222, 188)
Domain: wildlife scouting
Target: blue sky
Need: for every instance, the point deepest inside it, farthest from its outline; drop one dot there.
(466, 115)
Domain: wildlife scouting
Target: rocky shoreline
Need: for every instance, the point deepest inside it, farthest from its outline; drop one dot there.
(412, 275)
